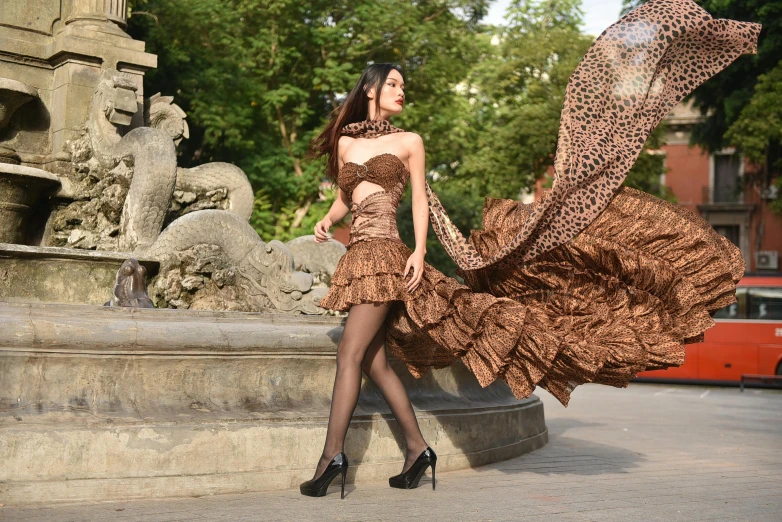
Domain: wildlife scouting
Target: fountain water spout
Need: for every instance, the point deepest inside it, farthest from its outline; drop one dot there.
(13, 94)
(20, 186)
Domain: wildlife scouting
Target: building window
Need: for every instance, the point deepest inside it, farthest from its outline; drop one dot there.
(726, 183)
(732, 232)
(754, 303)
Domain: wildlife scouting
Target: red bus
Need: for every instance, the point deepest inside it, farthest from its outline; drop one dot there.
(747, 339)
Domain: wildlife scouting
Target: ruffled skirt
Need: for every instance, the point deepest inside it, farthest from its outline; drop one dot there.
(622, 297)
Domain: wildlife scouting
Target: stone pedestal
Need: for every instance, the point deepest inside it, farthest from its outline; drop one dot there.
(113, 403)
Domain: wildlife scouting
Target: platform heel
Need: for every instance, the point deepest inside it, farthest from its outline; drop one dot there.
(409, 479)
(318, 487)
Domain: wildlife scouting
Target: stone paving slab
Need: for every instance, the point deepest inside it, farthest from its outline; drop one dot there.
(647, 453)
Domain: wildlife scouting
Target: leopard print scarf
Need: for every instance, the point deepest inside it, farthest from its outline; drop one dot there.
(369, 129)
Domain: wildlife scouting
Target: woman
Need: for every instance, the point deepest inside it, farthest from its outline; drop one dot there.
(594, 283)
(379, 93)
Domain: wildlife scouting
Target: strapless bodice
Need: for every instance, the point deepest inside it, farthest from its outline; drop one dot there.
(375, 215)
(386, 170)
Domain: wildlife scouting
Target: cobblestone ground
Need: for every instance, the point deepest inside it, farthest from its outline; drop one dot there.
(650, 452)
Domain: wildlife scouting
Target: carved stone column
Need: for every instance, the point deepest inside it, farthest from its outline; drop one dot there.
(101, 11)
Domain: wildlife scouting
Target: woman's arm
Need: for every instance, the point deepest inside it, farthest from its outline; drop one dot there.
(341, 205)
(339, 208)
(417, 166)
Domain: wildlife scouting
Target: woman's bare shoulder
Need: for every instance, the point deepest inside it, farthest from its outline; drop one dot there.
(345, 140)
(413, 141)
(343, 143)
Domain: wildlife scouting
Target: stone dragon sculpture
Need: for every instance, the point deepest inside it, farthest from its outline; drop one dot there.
(263, 270)
(208, 208)
(155, 174)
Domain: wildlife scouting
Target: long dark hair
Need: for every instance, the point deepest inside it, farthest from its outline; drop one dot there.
(354, 108)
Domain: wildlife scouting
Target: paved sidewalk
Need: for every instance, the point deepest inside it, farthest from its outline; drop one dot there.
(650, 452)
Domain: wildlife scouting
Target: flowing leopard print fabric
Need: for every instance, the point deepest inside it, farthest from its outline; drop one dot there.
(596, 282)
(631, 78)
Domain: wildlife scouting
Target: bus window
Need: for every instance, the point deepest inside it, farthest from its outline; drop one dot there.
(728, 312)
(737, 310)
(765, 303)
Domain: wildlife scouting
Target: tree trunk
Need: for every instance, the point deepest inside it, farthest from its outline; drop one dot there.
(298, 216)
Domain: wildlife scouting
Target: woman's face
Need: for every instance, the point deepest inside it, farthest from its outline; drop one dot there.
(392, 95)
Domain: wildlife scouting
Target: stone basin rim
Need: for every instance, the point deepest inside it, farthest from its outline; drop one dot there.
(99, 331)
(65, 420)
(26, 251)
(63, 310)
(28, 173)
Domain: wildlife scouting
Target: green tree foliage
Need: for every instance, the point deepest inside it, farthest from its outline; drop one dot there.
(257, 78)
(515, 97)
(758, 131)
(760, 123)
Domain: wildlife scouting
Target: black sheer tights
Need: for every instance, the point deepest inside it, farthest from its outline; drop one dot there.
(362, 348)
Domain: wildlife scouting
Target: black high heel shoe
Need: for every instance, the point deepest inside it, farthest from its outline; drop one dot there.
(318, 487)
(409, 479)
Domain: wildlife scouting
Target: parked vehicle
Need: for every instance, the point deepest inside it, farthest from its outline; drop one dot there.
(747, 339)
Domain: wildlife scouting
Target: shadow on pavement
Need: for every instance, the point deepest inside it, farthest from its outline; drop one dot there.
(571, 455)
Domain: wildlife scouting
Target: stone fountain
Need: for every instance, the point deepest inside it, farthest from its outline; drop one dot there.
(225, 386)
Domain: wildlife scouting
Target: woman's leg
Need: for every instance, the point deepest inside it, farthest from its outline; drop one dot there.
(362, 324)
(376, 366)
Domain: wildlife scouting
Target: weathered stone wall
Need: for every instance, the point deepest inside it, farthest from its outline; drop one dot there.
(111, 403)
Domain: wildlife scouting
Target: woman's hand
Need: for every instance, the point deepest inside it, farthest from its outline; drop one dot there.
(322, 230)
(416, 262)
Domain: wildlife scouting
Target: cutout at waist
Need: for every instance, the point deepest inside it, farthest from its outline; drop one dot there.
(353, 197)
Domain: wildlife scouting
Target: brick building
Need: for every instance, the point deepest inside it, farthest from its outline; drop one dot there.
(713, 186)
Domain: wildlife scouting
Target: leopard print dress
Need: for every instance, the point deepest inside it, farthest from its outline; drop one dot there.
(594, 283)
